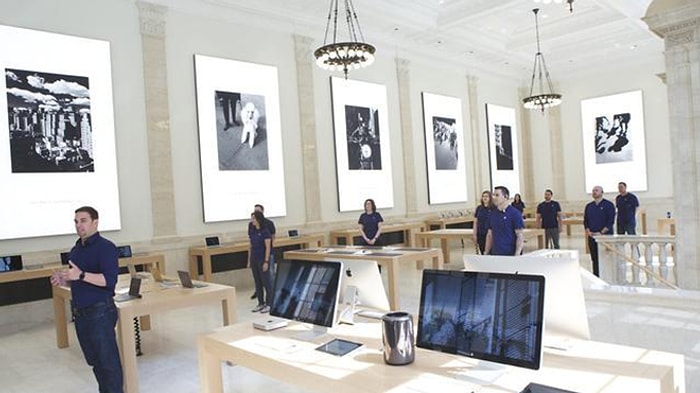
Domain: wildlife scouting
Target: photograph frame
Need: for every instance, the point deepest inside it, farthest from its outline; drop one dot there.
(504, 165)
(445, 151)
(621, 132)
(52, 195)
(358, 180)
(223, 197)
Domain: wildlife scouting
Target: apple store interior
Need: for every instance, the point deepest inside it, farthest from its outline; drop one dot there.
(176, 119)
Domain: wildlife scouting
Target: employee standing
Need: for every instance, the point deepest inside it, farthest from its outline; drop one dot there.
(259, 262)
(598, 219)
(370, 223)
(92, 276)
(505, 234)
(270, 226)
(549, 219)
(627, 204)
(481, 220)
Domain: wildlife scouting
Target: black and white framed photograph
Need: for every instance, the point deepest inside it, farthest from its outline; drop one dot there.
(444, 149)
(362, 150)
(613, 141)
(503, 147)
(240, 138)
(58, 150)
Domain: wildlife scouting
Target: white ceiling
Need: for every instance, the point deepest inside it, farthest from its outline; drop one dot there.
(497, 36)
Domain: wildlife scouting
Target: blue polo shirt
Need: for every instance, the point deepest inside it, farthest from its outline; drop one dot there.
(257, 243)
(503, 225)
(599, 216)
(548, 212)
(370, 223)
(267, 224)
(96, 255)
(626, 207)
(482, 219)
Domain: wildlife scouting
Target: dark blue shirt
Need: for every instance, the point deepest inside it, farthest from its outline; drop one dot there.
(267, 224)
(626, 208)
(96, 255)
(257, 243)
(548, 212)
(503, 225)
(370, 223)
(597, 217)
(482, 219)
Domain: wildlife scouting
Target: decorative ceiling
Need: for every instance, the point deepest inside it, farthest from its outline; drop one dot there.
(494, 36)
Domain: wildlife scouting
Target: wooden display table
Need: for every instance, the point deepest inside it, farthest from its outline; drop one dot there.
(661, 225)
(30, 273)
(388, 258)
(409, 229)
(444, 235)
(585, 367)
(445, 222)
(155, 299)
(303, 241)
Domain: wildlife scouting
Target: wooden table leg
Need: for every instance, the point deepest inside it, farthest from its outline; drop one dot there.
(393, 273)
(438, 262)
(127, 350)
(540, 241)
(444, 244)
(210, 378)
(206, 267)
(194, 271)
(145, 322)
(59, 312)
(568, 229)
(228, 308)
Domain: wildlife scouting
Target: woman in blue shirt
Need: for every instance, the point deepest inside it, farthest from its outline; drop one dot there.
(259, 261)
(370, 224)
(481, 220)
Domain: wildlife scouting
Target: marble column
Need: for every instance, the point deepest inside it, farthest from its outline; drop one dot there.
(478, 141)
(556, 150)
(678, 23)
(409, 159)
(152, 21)
(527, 171)
(307, 124)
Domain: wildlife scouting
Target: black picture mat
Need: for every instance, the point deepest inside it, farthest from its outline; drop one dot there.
(338, 347)
(24, 291)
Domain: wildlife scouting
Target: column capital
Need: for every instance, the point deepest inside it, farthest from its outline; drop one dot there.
(152, 19)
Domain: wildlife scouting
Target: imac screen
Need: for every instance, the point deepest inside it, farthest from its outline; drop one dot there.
(306, 291)
(10, 263)
(488, 316)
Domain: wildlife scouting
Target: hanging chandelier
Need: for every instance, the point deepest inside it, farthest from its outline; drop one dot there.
(545, 99)
(345, 55)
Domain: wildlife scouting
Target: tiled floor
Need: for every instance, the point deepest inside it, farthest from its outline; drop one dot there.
(32, 363)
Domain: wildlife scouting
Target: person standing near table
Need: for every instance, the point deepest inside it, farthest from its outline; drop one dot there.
(518, 204)
(94, 267)
(627, 204)
(370, 223)
(270, 226)
(505, 234)
(598, 219)
(259, 262)
(549, 219)
(481, 220)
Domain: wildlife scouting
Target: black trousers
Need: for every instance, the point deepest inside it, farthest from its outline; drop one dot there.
(593, 247)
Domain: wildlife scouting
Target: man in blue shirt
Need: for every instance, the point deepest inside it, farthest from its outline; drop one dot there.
(627, 204)
(549, 219)
(505, 234)
(92, 276)
(598, 219)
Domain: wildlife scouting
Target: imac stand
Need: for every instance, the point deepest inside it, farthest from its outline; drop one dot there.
(483, 373)
(347, 308)
(313, 334)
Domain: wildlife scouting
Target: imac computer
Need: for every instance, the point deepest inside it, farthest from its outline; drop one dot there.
(492, 317)
(362, 290)
(307, 291)
(10, 263)
(565, 306)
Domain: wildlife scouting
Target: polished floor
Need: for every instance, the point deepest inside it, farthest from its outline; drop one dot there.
(32, 363)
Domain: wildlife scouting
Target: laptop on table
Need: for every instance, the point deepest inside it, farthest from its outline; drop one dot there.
(186, 280)
(134, 291)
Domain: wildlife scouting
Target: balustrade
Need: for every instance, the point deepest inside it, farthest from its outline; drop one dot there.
(638, 260)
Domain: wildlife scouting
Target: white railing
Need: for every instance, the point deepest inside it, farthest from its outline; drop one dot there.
(638, 260)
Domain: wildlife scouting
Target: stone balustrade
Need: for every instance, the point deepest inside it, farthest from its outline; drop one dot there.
(638, 260)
